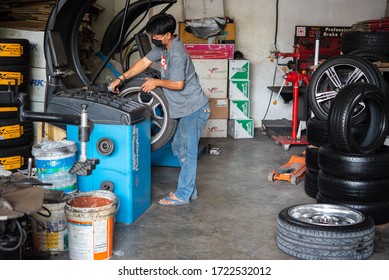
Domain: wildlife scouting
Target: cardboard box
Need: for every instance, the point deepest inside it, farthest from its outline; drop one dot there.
(36, 86)
(219, 108)
(227, 36)
(241, 128)
(215, 88)
(239, 109)
(36, 39)
(239, 69)
(211, 68)
(210, 51)
(239, 89)
(215, 128)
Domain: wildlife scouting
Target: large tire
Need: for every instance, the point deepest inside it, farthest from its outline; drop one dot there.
(362, 166)
(372, 56)
(378, 211)
(14, 158)
(340, 124)
(14, 51)
(335, 73)
(310, 184)
(368, 41)
(13, 133)
(355, 190)
(162, 126)
(325, 232)
(312, 159)
(317, 132)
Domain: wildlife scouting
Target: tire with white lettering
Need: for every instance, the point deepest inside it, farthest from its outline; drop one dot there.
(14, 51)
(325, 232)
(12, 75)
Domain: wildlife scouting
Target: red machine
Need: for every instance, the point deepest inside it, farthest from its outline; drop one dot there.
(295, 78)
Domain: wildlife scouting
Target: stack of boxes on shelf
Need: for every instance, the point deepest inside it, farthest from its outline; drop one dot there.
(224, 80)
(240, 125)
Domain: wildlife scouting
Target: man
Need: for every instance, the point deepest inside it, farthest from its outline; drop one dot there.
(187, 101)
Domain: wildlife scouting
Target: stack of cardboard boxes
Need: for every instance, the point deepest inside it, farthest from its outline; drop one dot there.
(224, 80)
(240, 125)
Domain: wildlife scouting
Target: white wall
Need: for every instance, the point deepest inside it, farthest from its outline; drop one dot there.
(255, 27)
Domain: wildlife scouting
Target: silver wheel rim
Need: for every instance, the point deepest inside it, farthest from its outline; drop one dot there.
(332, 81)
(158, 110)
(325, 215)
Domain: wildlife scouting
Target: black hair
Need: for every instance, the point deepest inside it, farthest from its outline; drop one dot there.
(161, 24)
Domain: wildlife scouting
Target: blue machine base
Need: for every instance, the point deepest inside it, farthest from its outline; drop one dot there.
(126, 169)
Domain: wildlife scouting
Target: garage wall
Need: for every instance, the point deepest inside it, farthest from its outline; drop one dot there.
(255, 25)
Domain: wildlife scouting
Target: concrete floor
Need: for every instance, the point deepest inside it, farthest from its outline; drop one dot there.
(235, 215)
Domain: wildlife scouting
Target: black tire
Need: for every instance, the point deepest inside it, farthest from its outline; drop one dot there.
(14, 51)
(340, 125)
(310, 184)
(317, 132)
(8, 74)
(312, 159)
(368, 41)
(335, 73)
(355, 190)
(378, 211)
(325, 232)
(8, 112)
(372, 56)
(362, 166)
(162, 126)
(10, 137)
(14, 158)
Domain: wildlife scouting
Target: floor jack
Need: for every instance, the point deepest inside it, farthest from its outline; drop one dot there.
(295, 78)
(293, 171)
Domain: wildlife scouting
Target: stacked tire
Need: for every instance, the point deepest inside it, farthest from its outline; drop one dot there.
(354, 169)
(16, 138)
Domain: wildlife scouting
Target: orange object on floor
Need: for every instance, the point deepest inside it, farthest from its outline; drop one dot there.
(293, 171)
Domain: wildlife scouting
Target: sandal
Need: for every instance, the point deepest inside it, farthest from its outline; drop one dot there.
(172, 200)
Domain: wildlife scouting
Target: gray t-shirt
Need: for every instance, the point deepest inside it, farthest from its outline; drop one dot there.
(176, 65)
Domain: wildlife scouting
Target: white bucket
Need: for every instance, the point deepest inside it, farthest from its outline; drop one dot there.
(90, 217)
(50, 232)
(53, 160)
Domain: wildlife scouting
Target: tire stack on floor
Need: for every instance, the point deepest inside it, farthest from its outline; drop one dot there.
(16, 138)
(354, 171)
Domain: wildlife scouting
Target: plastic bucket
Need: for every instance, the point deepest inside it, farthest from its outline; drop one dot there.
(90, 218)
(53, 160)
(49, 229)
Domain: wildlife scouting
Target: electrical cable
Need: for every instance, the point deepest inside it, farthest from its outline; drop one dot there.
(275, 69)
(22, 239)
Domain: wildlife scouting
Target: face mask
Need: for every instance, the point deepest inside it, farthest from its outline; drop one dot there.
(158, 43)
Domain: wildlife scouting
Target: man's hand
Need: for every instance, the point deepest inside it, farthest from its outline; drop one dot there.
(149, 85)
(113, 87)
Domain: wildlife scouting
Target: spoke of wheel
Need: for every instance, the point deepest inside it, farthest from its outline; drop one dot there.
(325, 96)
(355, 76)
(158, 121)
(333, 76)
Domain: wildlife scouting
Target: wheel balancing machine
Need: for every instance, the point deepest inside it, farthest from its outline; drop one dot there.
(114, 133)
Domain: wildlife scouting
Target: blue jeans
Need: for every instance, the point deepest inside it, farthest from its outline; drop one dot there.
(185, 147)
